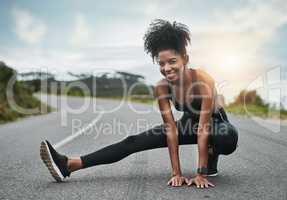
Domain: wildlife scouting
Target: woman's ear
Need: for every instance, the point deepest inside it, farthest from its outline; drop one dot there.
(185, 59)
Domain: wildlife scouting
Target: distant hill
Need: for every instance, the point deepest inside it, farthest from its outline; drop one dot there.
(104, 85)
(22, 95)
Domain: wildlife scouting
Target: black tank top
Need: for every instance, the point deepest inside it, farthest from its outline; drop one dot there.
(195, 104)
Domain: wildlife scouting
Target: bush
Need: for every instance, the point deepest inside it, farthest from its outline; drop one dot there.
(23, 96)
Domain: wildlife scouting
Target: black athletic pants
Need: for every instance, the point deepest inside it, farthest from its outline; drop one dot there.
(223, 137)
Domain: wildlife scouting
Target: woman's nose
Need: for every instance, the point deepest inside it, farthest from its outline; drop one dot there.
(167, 68)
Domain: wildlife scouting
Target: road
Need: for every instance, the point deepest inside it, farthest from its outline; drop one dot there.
(256, 170)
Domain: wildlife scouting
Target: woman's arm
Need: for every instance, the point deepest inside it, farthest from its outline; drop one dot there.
(161, 92)
(207, 92)
(203, 133)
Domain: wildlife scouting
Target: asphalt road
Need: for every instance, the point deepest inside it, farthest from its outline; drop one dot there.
(256, 170)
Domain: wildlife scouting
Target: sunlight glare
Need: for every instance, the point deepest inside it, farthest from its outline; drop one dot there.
(231, 61)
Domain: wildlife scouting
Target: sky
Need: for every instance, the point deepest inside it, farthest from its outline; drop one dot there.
(234, 41)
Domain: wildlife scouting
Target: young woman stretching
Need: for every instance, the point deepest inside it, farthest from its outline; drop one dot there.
(204, 121)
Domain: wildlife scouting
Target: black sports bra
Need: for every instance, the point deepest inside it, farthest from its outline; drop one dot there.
(195, 104)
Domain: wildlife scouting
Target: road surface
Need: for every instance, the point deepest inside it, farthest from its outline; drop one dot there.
(256, 170)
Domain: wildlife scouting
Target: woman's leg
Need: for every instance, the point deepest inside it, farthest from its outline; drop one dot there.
(224, 136)
(150, 139)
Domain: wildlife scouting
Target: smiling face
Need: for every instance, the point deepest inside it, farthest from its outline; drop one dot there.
(171, 64)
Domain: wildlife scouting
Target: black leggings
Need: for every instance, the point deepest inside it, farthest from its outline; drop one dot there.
(223, 137)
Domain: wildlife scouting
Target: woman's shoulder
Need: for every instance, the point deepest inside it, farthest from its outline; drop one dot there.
(162, 81)
(205, 83)
(162, 87)
(203, 76)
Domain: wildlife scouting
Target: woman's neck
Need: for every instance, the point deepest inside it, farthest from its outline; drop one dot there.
(184, 79)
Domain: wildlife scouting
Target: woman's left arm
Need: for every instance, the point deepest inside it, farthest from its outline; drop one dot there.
(207, 94)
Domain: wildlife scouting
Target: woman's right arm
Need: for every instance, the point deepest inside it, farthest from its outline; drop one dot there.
(161, 92)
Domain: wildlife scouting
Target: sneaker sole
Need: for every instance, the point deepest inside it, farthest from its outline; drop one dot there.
(49, 162)
(213, 175)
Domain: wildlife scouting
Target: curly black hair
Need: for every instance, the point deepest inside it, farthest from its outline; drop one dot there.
(163, 35)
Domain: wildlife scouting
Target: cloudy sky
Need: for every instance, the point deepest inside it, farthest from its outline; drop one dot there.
(235, 41)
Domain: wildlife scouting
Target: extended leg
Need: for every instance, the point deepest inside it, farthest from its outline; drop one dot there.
(150, 139)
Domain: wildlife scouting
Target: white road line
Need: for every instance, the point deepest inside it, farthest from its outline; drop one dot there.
(78, 133)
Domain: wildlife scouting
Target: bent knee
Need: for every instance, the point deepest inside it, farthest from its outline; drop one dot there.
(225, 138)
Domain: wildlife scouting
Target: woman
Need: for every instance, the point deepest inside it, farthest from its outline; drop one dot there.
(204, 121)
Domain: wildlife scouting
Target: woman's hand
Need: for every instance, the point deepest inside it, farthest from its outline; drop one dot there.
(200, 182)
(177, 181)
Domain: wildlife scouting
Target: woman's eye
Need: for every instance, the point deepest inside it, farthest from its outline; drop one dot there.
(172, 62)
(161, 64)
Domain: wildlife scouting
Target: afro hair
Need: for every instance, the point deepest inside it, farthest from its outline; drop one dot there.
(163, 35)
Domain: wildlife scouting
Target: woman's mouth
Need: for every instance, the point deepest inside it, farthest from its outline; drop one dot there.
(170, 76)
